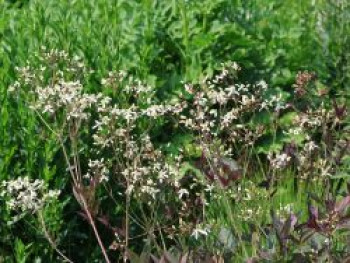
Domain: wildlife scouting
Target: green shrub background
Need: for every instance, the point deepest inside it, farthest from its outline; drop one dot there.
(162, 42)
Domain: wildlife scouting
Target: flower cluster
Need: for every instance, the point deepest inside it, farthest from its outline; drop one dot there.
(26, 195)
(97, 171)
(279, 161)
(67, 97)
(62, 92)
(223, 120)
(220, 108)
(125, 131)
(54, 58)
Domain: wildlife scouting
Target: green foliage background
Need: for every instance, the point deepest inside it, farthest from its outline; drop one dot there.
(163, 42)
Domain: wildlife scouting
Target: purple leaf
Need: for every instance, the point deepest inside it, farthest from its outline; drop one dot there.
(313, 211)
(342, 205)
(313, 216)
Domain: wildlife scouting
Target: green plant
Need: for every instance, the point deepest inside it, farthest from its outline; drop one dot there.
(278, 155)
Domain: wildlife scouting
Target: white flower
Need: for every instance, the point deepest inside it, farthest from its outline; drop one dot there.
(183, 192)
(262, 84)
(26, 195)
(280, 161)
(197, 232)
(310, 146)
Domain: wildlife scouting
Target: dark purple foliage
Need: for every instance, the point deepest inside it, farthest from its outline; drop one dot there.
(333, 218)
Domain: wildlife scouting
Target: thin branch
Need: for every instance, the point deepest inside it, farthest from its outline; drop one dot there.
(52, 243)
(92, 223)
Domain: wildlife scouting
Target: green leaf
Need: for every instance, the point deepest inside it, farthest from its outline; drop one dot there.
(287, 119)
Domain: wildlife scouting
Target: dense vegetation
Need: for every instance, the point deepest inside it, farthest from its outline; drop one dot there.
(174, 131)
